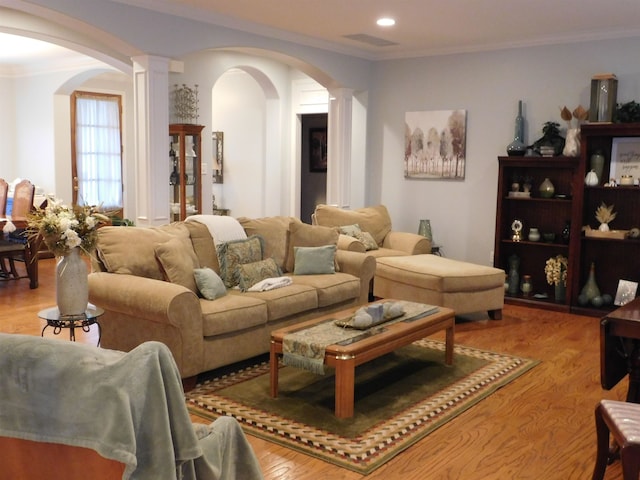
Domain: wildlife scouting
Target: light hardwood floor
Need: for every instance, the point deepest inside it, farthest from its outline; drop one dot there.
(538, 427)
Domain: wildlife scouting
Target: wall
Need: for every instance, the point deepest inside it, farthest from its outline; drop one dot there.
(488, 86)
(7, 129)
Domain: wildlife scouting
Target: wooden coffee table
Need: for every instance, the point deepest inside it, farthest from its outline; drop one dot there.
(373, 343)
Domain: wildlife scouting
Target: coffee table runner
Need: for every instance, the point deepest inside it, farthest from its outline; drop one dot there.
(306, 348)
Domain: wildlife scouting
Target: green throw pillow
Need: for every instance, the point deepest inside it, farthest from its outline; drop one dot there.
(251, 273)
(314, 260)
(209, 283)
(237, 252)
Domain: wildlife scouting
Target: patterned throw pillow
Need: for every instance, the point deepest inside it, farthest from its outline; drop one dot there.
(351, 230)
(251, 273)
(238, 252)
(367, 240)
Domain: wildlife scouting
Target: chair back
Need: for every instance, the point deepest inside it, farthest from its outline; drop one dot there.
(4, 191)
(23, 194)
(53, 461)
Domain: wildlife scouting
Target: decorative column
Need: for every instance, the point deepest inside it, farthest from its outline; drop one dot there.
(339, 147)
(151, 127)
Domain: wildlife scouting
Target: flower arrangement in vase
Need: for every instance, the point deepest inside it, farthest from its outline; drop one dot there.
(64, 228)
(555, 270)
(572, 142)
(605, 214)
(68, 231)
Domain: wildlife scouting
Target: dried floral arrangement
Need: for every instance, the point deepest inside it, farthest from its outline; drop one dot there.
(556, 270)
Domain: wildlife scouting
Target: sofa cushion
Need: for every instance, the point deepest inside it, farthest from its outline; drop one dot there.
(231, 314)
(375, 220)
(251, 273)
(236, 252)
(331, 289)
(314, 260)
(305, 235)
(203, 245)
(286, 301)
(209, 283)
(178, 262)
(274, 231)
(131, 250)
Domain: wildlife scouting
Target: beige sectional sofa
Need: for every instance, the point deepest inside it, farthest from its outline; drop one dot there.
(144, 280)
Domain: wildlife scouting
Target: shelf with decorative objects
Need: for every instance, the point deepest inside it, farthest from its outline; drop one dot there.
(185, 170)
(604, 256)
(535, 208)
(610, 216)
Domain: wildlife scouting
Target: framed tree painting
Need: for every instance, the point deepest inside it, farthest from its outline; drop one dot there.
(318, 149)
(435, 144)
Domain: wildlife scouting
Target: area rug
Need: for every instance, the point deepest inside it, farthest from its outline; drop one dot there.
(399, 399)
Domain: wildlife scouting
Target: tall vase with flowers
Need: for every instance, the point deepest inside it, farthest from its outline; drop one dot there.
(556, 272)
(68, 231)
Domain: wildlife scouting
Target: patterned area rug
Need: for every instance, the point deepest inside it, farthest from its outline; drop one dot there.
(399, 399)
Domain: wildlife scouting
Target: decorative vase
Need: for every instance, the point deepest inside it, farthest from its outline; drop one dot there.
(526, 286)
(560, 291)
(597, 163)
(534, 234)
(590, 289)
(517, 147)
(424, 229)
(547, 189)
(72, 286)
(514, 276)
(572, 143)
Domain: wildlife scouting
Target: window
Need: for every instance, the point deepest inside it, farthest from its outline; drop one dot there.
(97, 149)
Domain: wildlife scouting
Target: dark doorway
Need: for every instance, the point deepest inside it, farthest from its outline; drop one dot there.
(313, 162)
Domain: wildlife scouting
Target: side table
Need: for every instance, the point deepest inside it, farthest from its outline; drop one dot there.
(71, 322)
(620, 349)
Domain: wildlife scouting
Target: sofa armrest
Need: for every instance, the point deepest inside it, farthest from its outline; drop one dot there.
(359, 265)
(411, 243)
(351, 244)
(139, 309)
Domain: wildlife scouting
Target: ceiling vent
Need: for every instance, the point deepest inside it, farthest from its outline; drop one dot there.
(370, 40)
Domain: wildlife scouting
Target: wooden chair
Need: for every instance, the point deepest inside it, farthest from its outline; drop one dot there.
(4, 192)
(622, 421)
(15, 247)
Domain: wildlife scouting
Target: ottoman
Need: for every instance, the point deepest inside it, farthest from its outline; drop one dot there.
(462, 286)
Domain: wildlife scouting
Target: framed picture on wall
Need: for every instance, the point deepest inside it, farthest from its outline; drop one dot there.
(318, 149)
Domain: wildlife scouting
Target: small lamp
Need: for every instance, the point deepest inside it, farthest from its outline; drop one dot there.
(604, 89)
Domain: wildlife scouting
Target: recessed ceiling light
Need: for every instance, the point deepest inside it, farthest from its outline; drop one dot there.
(386, 22)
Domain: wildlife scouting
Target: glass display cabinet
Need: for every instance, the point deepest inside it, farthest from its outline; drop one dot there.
(185, 170)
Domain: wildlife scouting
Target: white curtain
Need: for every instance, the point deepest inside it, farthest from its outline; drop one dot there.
(98, 151)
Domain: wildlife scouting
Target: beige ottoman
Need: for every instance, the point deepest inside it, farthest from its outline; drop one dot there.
(464, 287)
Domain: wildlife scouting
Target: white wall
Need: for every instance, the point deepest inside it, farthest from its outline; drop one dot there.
(7, 129)
(239, 111)
(488, 86)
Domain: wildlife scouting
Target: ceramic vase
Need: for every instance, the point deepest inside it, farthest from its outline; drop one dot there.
(572, 143)
(514, 275)
(424, 229)
(590, 289)
(72, 286)
(547, 189)
(560, 291)
(517, 147)
(597, 163)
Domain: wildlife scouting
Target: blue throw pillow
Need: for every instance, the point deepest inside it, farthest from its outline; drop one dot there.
(314, 260)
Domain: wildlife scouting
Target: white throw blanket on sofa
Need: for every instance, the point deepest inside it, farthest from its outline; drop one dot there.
(128, 407)
(222, 228)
